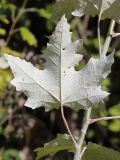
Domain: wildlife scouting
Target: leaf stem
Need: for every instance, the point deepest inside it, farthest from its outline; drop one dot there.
(67, 127)
(85, 125)
(103, 118)
(108, 38)
(83, 152)
(11, 31)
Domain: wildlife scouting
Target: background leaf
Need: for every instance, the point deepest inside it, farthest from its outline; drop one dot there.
(114, 125)
(11, 153)
(10, 51)
(114, 110)
(5, 77)
(2, 31)
(97, 152)
(4, 19)
(28, 36)
(64, 7)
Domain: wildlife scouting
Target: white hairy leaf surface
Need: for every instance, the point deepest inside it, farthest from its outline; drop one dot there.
(59, 84)
(110, 8)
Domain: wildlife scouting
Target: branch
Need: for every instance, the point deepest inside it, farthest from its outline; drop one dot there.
(67, 127)
(86, 121)
(29, 10)
(103, 118)
(20, 12)
(98, 28)
(108, 38)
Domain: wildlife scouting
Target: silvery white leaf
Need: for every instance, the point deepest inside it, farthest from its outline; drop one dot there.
(3, 62)
(59, 83)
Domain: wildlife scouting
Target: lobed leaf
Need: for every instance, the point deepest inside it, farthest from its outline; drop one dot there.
(62, 142)
(59, 83)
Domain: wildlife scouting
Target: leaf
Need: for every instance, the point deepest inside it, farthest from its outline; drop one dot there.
(3, 63)
(115, 110)
(64, 7)
(11, 153)
(91, 7)
(110, 8)
(59, 84)
(43, 13)
(12, 7)
(10, 51)
(4, 19)
(5, 77)
(28, 36)
(2, 31)
(114, 126)
(1, 157)
(62, 142)
(97, 152)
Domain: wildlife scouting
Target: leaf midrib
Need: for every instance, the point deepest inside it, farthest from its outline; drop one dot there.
(37, 83)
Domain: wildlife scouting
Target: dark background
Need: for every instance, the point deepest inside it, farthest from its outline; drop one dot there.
(24, 129)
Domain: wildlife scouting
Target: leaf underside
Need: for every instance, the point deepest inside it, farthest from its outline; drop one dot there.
(59, 84)
(110, 8)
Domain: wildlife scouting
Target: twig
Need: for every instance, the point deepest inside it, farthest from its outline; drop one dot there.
(29, 10)
(20, 12)
(14, 111)
(85, 25)
(98, 28)
(83, 152)
(16, 30)
(86, 121)
(67, 127)
(108, 38)
(103, 118)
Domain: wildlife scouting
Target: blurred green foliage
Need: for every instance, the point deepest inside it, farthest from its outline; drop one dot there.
(5, 77)
(32, 31)
(10, 154)
(114, 125)
(2, 31)
(28, 36)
